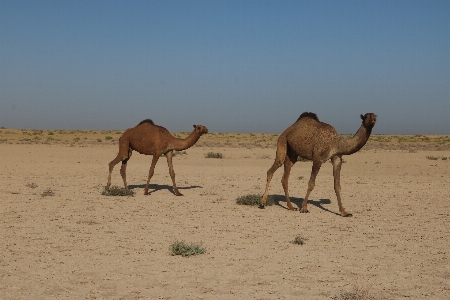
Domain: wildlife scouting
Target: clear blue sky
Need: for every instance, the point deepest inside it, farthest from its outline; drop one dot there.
(234, 66)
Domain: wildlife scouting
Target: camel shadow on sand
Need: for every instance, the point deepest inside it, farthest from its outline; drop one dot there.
(280, 200)
(157, 187)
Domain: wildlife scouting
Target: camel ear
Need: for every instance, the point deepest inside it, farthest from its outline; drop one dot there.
(194, 126)
(362, 117)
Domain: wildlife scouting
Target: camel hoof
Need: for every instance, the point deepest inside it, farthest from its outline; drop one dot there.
(304, 211)
(178, 194)
(346, 214)
(261, 206)
(293, 208)
(145, 192)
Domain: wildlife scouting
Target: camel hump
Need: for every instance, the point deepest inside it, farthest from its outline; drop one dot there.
(146, 121)
(308, 115)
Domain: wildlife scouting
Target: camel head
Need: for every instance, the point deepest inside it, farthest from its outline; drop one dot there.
(369, 120)
(200, 129)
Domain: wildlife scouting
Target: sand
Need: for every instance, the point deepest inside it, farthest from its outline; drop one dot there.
(79, 244)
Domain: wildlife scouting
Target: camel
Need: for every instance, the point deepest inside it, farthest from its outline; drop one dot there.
(317, 141)
(150, 139)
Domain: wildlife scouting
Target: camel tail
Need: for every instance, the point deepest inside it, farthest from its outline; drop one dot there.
(281, 150)
(124, 150)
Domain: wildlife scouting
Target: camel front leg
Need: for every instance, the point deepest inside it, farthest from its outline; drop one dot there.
(151, 171)
(312, 181)
(337, 163)
(172, 173)
(270, 173)
(289, 162)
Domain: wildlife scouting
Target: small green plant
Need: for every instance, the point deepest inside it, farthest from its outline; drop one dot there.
(50, 133)
(31, 185)
(117, 191)
(253, 199)
(214, 155)
(107, 138)
(432, 157)
(99, 140)
(76, 139)
(300, 177)
(299, 240)
(186, 250)
(47, 192)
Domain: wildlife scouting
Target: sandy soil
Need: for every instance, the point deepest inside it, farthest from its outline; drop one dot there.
(79, 244)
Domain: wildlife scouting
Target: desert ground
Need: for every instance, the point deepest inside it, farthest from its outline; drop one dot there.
(62, 239)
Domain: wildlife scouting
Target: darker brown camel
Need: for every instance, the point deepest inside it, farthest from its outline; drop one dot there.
(317, 141)
(150, 139)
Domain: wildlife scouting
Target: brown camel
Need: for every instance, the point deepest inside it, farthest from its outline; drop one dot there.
(317, 141)
(150, 139)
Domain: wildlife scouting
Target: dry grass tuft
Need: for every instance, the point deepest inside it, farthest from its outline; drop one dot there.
(186, 250)
(47, 192)
(358, 293)
(299, 240)
(31, 185)
(214, 155)
(117, 191)
(253, 199)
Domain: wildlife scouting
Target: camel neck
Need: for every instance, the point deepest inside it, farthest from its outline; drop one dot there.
(183, 144)
(351, 145)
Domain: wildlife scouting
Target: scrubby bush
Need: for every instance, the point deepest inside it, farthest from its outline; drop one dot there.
(186, 250)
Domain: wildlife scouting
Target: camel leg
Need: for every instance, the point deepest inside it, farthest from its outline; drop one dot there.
(279, 160)
(172, 173)
(123, 155)
(289, 162)
(312, 181)
(123, 170)
(152, 171)
(111, 165)
(337, 163)
(270, 172)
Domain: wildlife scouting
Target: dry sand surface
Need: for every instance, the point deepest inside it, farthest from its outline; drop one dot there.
(79, 244)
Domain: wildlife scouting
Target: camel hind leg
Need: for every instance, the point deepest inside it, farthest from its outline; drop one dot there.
(123, 169)
(289, 161)
(123, 156)
(279, 160)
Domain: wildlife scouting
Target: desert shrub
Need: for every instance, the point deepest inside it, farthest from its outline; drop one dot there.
(76, 139)
(253, 199)
(358, 293)
(432, 157)
(47, 192)
(117, 191)
(31, 185)
(299, 240)
(186, 250)
(50, 133)
(99, 140)
(107, 138)
(214, 155)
